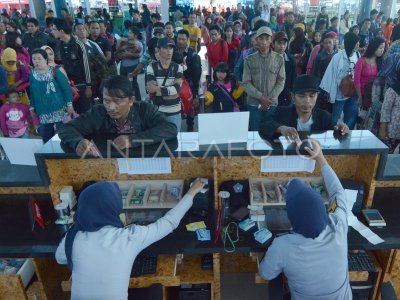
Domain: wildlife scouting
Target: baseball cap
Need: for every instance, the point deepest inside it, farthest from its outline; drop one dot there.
(279, 36)
(330, 35)
(306, 83)
(263, 30)
(164, 43)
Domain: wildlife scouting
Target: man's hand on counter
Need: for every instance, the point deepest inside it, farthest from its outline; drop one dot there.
(289, 133)
(85, 147)
(342, 128)
(123, 142)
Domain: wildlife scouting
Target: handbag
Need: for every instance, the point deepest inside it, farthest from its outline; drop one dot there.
(235, 106)
(346, 85)
(74, 89)
(186, 96)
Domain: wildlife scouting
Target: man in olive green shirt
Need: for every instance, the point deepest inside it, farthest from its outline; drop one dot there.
(263, 78)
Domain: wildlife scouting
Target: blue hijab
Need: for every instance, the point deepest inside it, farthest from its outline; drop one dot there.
(306, 209)
(99, 205)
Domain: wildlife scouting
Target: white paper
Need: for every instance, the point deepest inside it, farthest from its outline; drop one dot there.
(139, 166)
(223, 128)
(21, 151)
(367, 233)
(289, 163)
(351, 196)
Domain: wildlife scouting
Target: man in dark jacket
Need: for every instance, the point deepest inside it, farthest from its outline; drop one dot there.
(137, 123)
(35, 38)
(302, 116)
(280, 42)
(75, 61)
(323, 15)
(193, 71)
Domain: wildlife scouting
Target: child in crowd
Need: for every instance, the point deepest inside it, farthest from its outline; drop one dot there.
(15, 117)
(223, 93)
(16, 72)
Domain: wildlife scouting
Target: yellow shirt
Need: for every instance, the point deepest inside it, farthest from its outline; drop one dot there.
(193, 31)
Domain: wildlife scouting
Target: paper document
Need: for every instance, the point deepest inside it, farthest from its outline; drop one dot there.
(138, 166)
(21, 151)
(291, 163)
(372, 237)
(351, 196)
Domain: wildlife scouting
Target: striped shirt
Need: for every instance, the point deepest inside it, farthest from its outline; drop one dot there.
(171, 103)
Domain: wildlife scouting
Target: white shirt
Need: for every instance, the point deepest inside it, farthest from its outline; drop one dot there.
(305, 126)
(317, 269)
(103, 259)
(338, 68)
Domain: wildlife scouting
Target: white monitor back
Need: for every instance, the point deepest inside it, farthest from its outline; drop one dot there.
(223, 128)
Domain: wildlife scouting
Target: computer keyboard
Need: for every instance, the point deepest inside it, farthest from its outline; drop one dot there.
(360, 261)
(144, 265)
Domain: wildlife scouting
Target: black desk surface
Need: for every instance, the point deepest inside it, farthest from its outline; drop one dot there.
(17, 239)
(19, 175)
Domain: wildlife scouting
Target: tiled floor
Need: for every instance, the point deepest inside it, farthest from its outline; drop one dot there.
(241, 286)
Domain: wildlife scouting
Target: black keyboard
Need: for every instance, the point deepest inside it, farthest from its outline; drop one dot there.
(144, 265)
(360, 261)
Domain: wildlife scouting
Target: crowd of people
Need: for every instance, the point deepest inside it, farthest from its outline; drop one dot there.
(51, 74)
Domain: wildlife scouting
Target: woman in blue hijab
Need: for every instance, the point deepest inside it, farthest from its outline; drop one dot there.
(100, 251)
(314, 256)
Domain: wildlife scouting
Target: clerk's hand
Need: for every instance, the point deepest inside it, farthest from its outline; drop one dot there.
(316, 152)
(85, 147)
(289, 133)
(343, 128)
(196, 187)
(123, 142)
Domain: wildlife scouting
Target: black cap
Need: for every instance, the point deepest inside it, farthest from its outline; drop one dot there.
(306, 83)
(280, 36)
(164, 43)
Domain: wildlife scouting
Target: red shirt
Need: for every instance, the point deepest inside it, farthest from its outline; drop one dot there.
(234, 44)
(217, 52)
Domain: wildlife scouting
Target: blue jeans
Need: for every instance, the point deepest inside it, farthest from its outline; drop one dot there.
(349, 108)
(176, 119)
(47, 131)
(256, 116)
